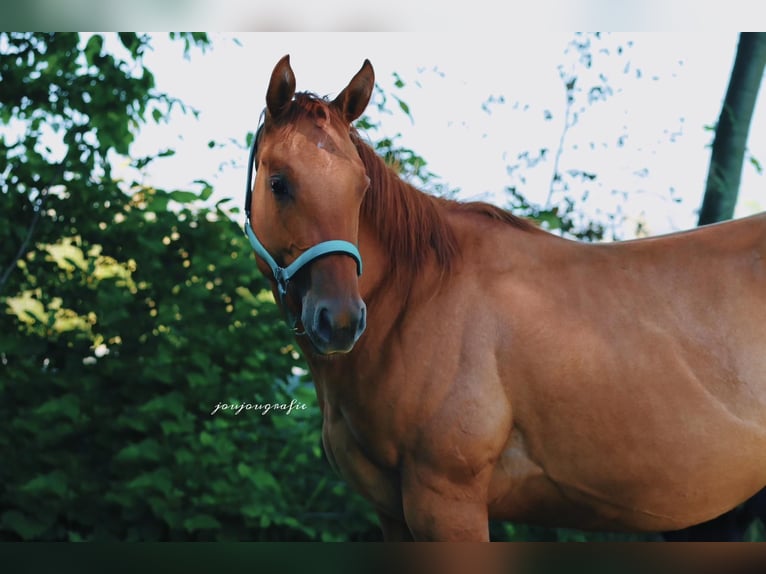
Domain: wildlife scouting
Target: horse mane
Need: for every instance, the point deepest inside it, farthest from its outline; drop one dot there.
(412, 224)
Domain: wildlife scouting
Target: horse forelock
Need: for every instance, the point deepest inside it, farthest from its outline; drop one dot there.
(306, 105)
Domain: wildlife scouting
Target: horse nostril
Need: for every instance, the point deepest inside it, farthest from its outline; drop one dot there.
(324, 324)
(362, 322)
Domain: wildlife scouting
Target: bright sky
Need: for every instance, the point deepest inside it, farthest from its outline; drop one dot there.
(660, 115)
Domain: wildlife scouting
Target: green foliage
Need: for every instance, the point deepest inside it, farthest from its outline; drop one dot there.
(117, 348)
(563, 218)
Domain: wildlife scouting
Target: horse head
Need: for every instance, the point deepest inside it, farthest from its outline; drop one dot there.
(304, 206)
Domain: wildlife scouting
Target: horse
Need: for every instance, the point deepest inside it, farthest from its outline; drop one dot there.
(470, 365)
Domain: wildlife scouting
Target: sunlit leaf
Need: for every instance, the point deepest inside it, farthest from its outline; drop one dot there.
(183, 196)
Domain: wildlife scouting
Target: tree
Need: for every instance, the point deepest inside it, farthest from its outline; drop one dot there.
(592, 62)
(729, 143)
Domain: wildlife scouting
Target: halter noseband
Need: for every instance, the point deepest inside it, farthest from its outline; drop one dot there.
(282, 275)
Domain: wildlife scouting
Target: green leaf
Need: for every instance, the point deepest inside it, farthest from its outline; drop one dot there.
(205, 438)
(164, 405)
(93, 49)
(174, 427)
(146, 450)
(201, 522)
(264, 479)
(158, 480)
(66, 405)
(27, 528)
(27, 308)
(53, 483)
(132, 42)
(158, 203)
(197, 380)
(550, 218)
(207, 191)
(183, 196)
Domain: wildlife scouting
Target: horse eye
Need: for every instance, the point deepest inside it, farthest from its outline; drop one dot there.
(278, 185)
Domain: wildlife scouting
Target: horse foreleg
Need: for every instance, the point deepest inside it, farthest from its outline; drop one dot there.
(394, 530)
(443, 511)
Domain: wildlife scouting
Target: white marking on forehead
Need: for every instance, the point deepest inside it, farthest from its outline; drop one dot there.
(325, 141)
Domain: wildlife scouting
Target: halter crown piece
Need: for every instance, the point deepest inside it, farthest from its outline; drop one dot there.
(282, 275)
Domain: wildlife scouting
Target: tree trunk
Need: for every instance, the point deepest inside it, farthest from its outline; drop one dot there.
(731, 132)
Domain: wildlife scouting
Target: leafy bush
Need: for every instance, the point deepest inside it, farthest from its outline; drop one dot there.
(116, 349)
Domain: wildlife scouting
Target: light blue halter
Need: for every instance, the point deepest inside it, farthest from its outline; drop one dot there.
(282, 275)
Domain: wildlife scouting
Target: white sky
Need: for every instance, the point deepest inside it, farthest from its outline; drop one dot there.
(448, 79)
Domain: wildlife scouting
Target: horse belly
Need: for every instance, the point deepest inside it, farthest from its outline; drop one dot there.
(621, 496)
(645, 447)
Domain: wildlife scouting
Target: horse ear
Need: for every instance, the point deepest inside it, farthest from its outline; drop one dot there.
(353, 100)
(281, 88)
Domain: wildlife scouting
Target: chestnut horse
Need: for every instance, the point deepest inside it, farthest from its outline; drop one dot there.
(476, 366)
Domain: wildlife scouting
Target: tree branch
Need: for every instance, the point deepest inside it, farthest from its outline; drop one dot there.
(30, 232)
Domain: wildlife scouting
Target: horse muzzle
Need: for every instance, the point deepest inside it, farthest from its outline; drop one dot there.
(334, 325)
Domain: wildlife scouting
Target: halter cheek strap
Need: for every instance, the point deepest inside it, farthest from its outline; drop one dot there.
(282, 275)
